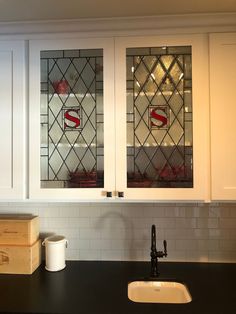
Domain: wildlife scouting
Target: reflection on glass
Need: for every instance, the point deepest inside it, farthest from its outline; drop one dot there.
(71, 117)
(159, 117)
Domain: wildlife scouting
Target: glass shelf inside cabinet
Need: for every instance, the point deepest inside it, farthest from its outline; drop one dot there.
(71, 117)
(159, 117)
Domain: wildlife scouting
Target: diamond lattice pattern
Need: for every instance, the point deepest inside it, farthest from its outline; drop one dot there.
(71, 150)
(161, 157)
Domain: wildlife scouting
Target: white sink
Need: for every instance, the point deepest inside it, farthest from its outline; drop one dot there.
(158, 292)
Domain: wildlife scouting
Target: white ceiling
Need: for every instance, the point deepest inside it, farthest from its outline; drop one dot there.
(28, 10)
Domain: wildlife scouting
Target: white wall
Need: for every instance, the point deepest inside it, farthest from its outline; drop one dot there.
(194, 232)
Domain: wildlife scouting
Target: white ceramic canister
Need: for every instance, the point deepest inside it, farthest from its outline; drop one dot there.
(55, 252)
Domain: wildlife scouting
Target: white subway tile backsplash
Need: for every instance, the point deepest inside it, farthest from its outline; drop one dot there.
(171, 211)
(127, 244)
(132, 212)
(201, 233)
(69, 232)
(208, 245)
(116, 233)
(74, 222)
(176, 256)
(221, 234)
(134, 255)
(69, 212)
(207, 223)
(89, 233)
(72, 254)
(215, 212)
(50, 212)
(185, 223)
(112, 255)
(231, 233)
(59, 222)
(143, 222)
(232, 211)
(122, 231)
(90, 255)
(80, 244)
(190, 245)
(153, 211)
(227, 223)
(89, 211)
(184, 233)
(102, 244)
(227, 245)
(222, 257)
(105, 210)
(163, 222)
(201, 256)
(200, 211)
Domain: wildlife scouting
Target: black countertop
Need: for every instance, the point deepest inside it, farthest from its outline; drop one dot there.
(101, 288)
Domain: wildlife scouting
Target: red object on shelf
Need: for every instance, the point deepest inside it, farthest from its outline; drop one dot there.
(61, 87)
(85, 179)
(171, 173)
(138, 181)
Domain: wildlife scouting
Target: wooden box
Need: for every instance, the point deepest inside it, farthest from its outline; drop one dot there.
(19, 229)
(16, 259)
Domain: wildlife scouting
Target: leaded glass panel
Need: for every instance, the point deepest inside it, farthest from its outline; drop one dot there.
(159, 117)
(71, 113)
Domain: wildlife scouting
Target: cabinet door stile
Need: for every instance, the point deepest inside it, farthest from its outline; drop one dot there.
(223, 111)
(12, 119)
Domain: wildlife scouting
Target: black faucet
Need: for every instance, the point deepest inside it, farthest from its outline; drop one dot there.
(155, 254)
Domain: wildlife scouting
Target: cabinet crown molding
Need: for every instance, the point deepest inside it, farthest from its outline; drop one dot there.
(213, 22)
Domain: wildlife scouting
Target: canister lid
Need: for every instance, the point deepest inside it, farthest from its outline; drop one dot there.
(55, 239)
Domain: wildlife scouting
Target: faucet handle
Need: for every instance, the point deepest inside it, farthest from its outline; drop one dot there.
(165, 247)
(162, 253)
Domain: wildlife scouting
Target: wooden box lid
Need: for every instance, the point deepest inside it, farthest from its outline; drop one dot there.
(19, 229)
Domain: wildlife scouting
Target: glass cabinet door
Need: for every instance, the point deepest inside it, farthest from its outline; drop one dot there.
(72, 99)
(159, 117)
(71, 113)
(161, 87)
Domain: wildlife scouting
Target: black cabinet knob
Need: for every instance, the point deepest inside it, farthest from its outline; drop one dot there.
(109, 194)
(120, 194)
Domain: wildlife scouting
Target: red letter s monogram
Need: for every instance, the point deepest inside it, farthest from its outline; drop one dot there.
(158, 117)
(72, 118)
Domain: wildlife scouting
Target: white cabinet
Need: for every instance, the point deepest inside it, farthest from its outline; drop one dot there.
(12, 143)
(223, 113)
(71, 138)
(162, 112)
(93, 104)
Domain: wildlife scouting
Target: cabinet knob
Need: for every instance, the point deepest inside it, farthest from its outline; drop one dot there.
(109, 194)
(120, 194)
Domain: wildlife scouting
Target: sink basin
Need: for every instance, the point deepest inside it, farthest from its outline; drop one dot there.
(158, 292)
